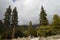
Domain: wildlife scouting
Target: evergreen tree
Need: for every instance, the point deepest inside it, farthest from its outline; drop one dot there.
(14, 21)
(56, 20)
(56, 23)
(43, 19)
(7, 19)
(30, 29)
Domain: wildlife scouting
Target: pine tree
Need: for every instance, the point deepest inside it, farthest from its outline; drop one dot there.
(30, 29)
(7, 19)
(43, 19)
(14, 21)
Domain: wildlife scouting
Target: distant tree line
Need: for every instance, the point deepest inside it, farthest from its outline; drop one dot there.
(10, 29)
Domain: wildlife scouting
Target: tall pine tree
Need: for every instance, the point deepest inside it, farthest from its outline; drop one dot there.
(43, 19)
(30, 29)
(7, 19)
(14, 21)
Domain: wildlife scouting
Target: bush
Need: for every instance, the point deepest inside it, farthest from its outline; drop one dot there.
(44, 30)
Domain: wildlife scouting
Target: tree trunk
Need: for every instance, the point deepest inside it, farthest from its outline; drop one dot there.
(6, 33)
(13, 31)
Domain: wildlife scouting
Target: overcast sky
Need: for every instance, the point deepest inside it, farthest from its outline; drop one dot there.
(30, 9)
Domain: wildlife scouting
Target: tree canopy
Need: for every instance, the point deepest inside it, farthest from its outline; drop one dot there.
(43, 18)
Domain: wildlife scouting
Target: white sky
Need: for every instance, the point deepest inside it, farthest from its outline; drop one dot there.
(30, 9)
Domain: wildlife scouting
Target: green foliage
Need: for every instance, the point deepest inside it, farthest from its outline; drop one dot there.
(56, 30)
(56, 23)
(14, 17)
(26, 33)
(56, 20)
(14, 21)
(1, 27)
(34, 33)
(16, 31)
(43, 19)
(43, 30)
(30, 28)
(7, 20)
